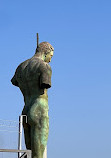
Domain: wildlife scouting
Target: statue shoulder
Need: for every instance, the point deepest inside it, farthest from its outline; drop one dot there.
(23, 64)
(28, 69)
(18, 72)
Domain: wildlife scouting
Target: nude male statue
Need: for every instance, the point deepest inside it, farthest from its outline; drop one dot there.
(33, 77)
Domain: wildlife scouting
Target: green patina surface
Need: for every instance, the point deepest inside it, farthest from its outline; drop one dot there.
(33, 77)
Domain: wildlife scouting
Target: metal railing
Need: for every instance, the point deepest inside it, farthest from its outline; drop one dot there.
(15, 126)
(19, 129)
(26, 153)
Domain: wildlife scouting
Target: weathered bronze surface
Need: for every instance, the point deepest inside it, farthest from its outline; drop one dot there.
(33, 77)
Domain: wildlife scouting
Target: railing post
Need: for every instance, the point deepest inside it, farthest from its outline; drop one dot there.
(20, 133)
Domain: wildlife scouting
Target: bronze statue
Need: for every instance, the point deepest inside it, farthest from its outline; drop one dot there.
(33, 77)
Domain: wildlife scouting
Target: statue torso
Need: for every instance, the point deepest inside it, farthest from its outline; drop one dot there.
(31, 76)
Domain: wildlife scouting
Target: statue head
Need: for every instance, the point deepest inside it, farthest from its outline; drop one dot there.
(46, 50)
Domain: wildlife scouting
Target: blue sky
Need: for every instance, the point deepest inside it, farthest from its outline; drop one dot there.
(80, 97)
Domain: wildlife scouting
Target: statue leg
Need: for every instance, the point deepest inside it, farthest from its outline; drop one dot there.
(39, 122)
(39, 136)
(27, 129)
(27, 135)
